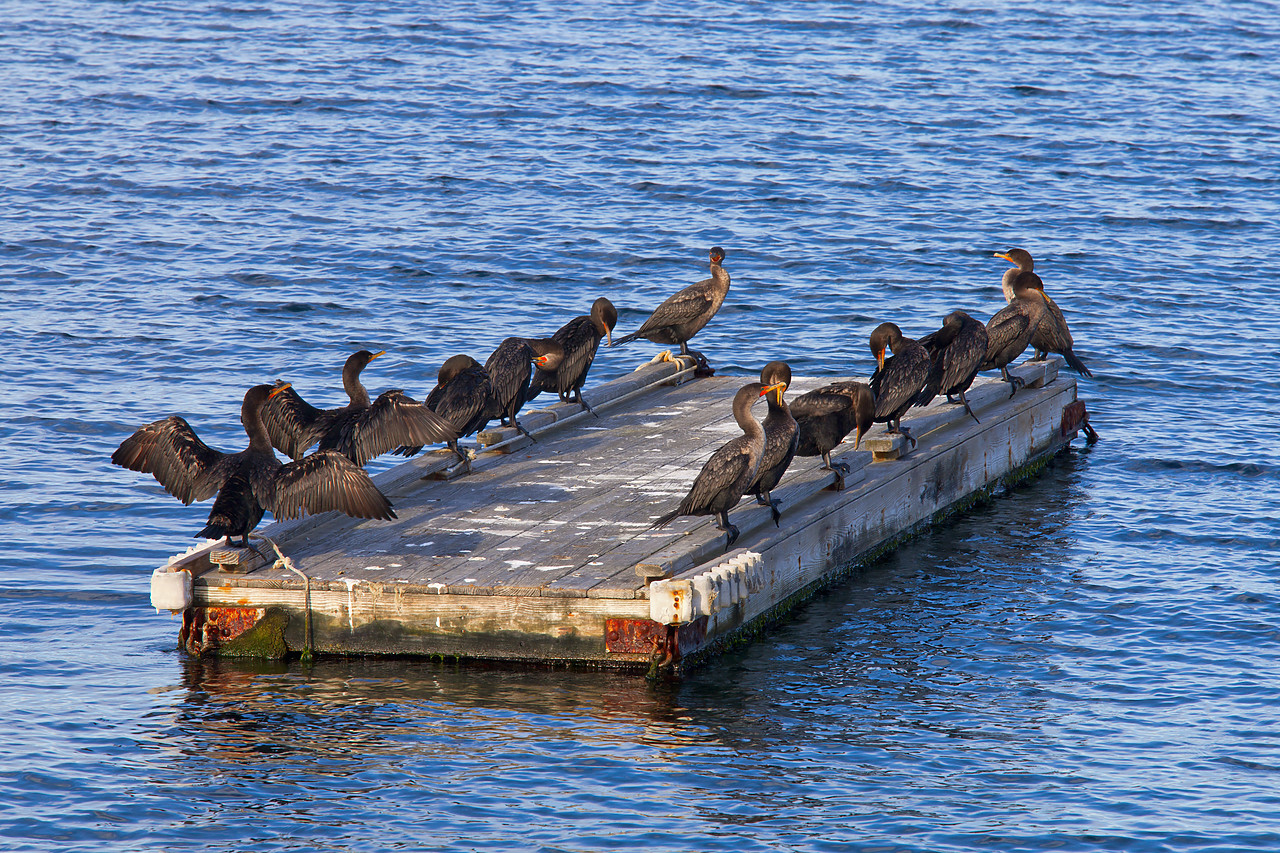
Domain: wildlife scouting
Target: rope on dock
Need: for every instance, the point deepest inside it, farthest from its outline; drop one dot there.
(283, 562)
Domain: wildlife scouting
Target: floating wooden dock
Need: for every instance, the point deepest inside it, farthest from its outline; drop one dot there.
(543, 553)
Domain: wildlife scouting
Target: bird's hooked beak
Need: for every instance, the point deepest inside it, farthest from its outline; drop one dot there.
(880, 358)
(1004, 255)
(608, 334)
(778, 386)
(284, 386)
(376, 354)
(542, 360)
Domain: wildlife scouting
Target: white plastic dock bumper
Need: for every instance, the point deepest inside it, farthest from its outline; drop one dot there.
(678, 601)
(170, 590)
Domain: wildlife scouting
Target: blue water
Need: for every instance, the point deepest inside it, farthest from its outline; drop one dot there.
(197, 197)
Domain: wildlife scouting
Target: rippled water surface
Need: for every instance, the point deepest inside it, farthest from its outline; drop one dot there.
(198, 197)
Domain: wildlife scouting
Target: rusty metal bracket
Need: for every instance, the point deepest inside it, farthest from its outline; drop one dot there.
(1075, 417)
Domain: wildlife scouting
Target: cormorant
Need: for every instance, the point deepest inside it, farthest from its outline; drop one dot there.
(955, 353)
(1051, 333)
(781, 437)
(510, 370)
(824, 416)
(684, 313)
(359, 430)
(725, 477)
(899, 378)
(464, 397)
(1009, 332)
(580, 338)
(251, 481)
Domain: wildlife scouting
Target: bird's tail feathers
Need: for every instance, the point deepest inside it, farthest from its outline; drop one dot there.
(665, 520)
(625, 339)
(1076, 363)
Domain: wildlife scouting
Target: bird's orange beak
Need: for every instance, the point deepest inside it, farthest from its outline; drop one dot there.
(542, 360)
(779, 387)
(376, 354)
(1003, 255)
(276, 390)
(880, 359)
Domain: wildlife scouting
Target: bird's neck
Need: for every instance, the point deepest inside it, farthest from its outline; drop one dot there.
(351, 384)
(747, 422)
(1006, 283)
(719, 276)
(256, 429)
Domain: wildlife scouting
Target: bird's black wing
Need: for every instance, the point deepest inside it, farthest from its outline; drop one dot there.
(293, 423)
(1005, 330)
(680, 307)
(393, 420)
(509, 372)
(726, 466)
(325, 480)
(170, 450)
(961, 359)
(1052, 333)
(578, 337)
(819, 402)
(899, 381)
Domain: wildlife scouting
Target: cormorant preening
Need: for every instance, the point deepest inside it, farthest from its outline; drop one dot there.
(510, 370)
(725, 477)
(955, 352)
(1010, 329)
(899, 378)
(781, 437)
(580, 337)
(253, 480)
(684, 313)
(1051, 333)
(359, 430)
(824, 416)
(464, 397)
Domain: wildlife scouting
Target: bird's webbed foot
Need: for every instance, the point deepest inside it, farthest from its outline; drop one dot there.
(524, 431)
(1040, 355)
(701, 367)
(465, 455)
(968, 409)
(905, 432)
(837, 468)
(1015, 382)
(583, 401)
(775, 509)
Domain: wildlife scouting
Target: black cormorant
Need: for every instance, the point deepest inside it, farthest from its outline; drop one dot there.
(253, 480)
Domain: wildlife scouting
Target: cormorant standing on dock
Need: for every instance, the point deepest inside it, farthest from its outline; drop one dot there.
(359, 430)
(253, 480)
(1051, 333)
(463, 396)
(899, 378)
(683, 314)
(955, 352)
(1010, 329)
(824, 416)
(510, 370)
(781, 437)
(725, 477)
(580, 338)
